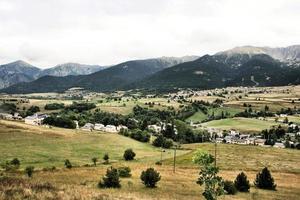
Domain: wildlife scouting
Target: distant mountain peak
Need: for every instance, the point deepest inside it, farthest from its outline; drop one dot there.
(19, 63)
(281, 53)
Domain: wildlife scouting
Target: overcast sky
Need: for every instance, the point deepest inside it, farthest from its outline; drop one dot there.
(104, 32)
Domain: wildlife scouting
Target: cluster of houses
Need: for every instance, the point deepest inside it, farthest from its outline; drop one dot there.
(158, 128)
(102, 127)
(7, 116)
(234, 137)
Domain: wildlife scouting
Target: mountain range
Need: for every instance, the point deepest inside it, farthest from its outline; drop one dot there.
(110, 78)
(20, 71)
(240, 66)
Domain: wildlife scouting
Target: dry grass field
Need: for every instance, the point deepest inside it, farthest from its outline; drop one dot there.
(42, 147)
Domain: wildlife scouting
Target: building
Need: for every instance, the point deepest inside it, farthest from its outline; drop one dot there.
(155, 128)
(6, 116)
(17, 116)
(99, 127)
(279, 145)
(88, 127)
(121, 127)
(111, 129)
(260, 142)
(36, 119)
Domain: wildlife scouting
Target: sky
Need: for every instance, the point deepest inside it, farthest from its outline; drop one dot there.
(105, 32)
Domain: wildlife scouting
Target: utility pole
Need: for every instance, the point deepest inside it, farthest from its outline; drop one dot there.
(174, 162)
(215, 150)
(161, 154)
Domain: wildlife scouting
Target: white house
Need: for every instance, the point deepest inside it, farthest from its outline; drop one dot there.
(6, 116)
(99, 127)
(155, 128)
(260, 142)
(111, 129)
(36, 119)
(233, 132)
(279, 145)
(228, 139)
(121, 127)
(293, 126)
(88, 127)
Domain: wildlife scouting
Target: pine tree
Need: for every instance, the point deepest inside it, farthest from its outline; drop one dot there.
(264, 180)
(241, 183)
(111, 179)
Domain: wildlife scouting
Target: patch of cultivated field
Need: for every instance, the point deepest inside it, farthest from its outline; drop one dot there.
(241, 124)
(275, 101)
(50, 147)
(125, 107)
(41, 103)
(200, 116)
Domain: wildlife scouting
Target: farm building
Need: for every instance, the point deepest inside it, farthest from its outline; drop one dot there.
(111, 129)
(6, 116)
(36, 119)
(99, 127)
(88, 127)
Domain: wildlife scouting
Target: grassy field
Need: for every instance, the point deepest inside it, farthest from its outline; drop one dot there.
(245, 157)
(125, 106)
(241, 124)
(42, 147)
(200, 116)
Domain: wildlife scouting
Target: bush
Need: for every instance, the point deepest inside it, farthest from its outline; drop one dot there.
(139, 135)
(150, 177)
(111, 179)
(161, 141)
(264, 180)
(241, 183)
(106, 158)
(15, 162)
(12, 165)
(229, 187)
(29, 171)
(54, 106)
(129, 154)
(94, 160)
(124, 172)
(68, 164)
(63, 122)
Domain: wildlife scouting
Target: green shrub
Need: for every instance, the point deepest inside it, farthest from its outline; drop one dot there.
(129, 154)
(54, 106)
(106, 158)
(111, 179)
(150, 177)
(264, 180)
(94, 160)
(161, 141)
(15, 162)
(29, 171)
(124, 172)
(229, 187)
(241, 183)
(68, 164)
(139, 135)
